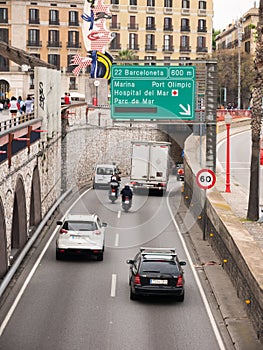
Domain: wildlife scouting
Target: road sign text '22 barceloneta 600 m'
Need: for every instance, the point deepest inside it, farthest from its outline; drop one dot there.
(153, 92)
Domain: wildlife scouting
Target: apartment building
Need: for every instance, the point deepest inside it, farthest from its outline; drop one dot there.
(240, 33)
(51, 30)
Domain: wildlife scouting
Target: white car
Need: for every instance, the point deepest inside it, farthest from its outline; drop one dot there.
(103, 173)
(81, 235)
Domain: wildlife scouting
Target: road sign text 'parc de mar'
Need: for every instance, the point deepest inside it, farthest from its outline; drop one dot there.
(153, 92)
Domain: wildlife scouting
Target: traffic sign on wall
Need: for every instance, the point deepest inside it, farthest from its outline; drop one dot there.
(153, 92)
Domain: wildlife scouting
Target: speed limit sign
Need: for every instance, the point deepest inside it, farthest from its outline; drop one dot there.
(205, 178)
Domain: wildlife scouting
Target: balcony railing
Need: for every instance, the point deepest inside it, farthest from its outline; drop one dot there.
(73, 23)
(150, 27)
(133, 26)
(115, 47)
(169, 48)
(134, 47)
(54, 44)
(34, 21)
(168, 28)
(185, 48)
(54, 22)
(185, 28)
(34, 43)
(201, 49)
(150, 48)
(202, 29)
(115, 26)
(73, 45)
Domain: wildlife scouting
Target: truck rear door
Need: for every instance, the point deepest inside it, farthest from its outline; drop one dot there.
(158, 162)
(140, 157)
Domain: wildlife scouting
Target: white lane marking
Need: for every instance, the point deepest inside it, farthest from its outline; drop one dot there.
(203, 296)
(119, 214)
(113, 285)
(37, 263)
(116, 243)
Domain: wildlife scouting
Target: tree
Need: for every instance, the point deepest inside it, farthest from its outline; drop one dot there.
(256, 121)
(126, 55)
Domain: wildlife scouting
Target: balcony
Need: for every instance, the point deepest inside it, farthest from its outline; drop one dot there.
(34, 21)
(150, 9)
(133, 47)
(55, 44)
(133, 26)
(115, 26)
(169, 28)
(202, 29)
(202, 12)
(115, 47)
(54, 22)
(73, 23)
(150, 27)
(168, 10)
(168, 48)
(71, 45)
(185, 28)
(185, 48)
(185, 11)
(114, 8)
(150, 48)
(34, 43)
(201, 49)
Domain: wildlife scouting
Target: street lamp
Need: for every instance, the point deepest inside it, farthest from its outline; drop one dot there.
(239, 26)
(228, 121)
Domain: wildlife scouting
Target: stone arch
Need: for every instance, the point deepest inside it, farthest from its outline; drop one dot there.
(4, 89)
(35, 202)
(19, 221)
(3, 242)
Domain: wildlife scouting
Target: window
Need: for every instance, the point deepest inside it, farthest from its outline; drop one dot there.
(4, 35)
(3, 15)
(185, 4)
(53, 17)
(201, 25)
(133, 2)
(73, 39)
(202, 5)
(4, 64)
(115, 2)
(151, 3)
(33, 37)
(54, 59)
(168, 43)
(133, 41)
(167, 25)
(150, 42)
(69, 61)
(33, 16)
(168, 3)
(73, 18)
(247, 46)
(53, 38)
(185, 25)
(184, 41)
(150, 23)
(115, 43)
(201, 44)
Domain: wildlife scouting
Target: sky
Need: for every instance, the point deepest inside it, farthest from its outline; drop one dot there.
(225, 11)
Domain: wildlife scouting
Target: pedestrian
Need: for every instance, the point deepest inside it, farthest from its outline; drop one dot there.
(22, 105)
(13, 106)
(66, 98)
(1, 106)
(29, 104)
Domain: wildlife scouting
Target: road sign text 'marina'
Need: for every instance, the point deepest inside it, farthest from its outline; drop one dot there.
(153, 92)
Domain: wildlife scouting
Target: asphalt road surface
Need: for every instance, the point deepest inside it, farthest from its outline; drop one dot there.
(84, 304)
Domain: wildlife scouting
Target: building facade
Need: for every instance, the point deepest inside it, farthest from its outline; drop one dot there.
(240, 33)
(51, 30)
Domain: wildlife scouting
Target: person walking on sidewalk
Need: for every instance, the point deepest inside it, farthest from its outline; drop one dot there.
(13, 106)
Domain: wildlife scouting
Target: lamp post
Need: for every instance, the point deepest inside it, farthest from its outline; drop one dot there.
(239, 26)
(228, 120)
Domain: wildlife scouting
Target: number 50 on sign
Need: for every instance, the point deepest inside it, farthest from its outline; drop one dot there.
(205, 178)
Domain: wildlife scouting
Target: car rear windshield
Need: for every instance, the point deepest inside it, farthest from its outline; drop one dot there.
(80, 225)
(104, 171)
(159, 266)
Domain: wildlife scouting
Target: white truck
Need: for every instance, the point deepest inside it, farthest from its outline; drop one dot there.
(150, 166)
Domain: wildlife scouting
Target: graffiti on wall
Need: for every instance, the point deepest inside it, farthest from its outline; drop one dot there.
(96, 37)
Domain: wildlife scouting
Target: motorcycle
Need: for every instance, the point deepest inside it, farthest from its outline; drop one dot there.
(126, 204)
(113, 193)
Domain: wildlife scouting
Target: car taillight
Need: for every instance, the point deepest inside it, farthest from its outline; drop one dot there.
(180, 281)
(63, 231)
(180, 171)
(137, 279)
(162, 184)
(97, 232)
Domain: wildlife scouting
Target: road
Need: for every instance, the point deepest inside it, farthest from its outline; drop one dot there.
(240, 154)
(78, 304)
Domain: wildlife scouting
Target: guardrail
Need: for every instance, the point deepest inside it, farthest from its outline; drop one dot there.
(15, 121)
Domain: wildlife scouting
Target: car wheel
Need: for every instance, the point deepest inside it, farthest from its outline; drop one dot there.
(132, 295)
(180, 298)
(100, 257)
(59, 256)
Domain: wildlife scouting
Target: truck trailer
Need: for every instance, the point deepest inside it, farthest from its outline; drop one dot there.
(150, 166)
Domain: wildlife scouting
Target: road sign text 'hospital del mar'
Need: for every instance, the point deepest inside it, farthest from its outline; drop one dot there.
(153, 92)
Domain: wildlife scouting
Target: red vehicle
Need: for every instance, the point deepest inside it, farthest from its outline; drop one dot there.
(261, 151)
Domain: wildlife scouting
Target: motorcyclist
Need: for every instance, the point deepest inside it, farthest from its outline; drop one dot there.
(126, 192)
(114, 183)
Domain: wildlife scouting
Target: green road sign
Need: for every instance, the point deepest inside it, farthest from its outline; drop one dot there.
(153, 92)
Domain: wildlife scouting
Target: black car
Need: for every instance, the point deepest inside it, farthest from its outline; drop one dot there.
(156, 271)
